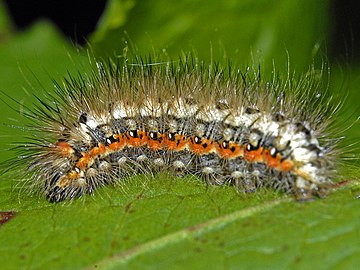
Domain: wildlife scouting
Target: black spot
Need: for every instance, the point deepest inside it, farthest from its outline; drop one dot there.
(133, 133)
(250, 147)
(301, 128)
(232, 149)
(273, 153)
(204, 145)
(313, 147)
(222, 105)
(111, 139)
(171, 136)
(190, 101)
(78, 152)
(225, 145)
(83, 118)
(154, 135)
(278, 117)
(250, 110)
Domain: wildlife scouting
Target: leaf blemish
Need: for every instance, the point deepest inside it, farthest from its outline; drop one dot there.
(6, 216)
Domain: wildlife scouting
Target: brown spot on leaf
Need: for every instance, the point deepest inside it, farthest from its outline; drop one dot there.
(128, 207)
(6, 216)
(115, 244)
(342, 183)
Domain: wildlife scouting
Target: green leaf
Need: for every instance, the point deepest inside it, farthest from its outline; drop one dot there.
(29, 63)
(245, 31)
(279, 234)
(165, 222)
(114, 17)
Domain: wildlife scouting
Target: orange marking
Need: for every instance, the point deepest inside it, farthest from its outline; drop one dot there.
(156, 144)
(253, 156)
(119, 137)
(83, 161)
(64, 149)
(96, 151)
(178, 144)
(273, 162)
(204, 147)
(232, 150)
(116, 146)
(74, 175)
(287, 165)
(119, 145)
(136, 142)
(102, 148)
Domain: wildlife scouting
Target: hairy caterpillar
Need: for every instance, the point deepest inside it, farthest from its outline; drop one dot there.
(219, 123)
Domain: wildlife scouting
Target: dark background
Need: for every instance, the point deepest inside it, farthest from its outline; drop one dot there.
(77, 19)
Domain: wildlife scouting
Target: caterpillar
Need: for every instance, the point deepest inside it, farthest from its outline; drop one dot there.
(221, 123)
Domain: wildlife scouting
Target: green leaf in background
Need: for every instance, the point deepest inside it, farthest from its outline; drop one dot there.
(243, 30)
(166, 222)
(29, 62)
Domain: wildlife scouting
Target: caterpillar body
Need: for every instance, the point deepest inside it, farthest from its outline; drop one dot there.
(221, 124)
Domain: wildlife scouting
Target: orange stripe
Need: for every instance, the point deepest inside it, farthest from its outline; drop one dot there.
(156, 144)
(232, 150)
(204, 146)
(273, 162)
(136, 142)
(179, 143)
(119, 145)
(253, 156)
(226, 150)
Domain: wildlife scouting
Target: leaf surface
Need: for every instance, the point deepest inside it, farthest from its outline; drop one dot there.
(165, 222)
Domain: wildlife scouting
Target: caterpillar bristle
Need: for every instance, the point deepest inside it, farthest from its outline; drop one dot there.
(224, 124)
